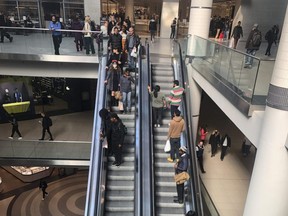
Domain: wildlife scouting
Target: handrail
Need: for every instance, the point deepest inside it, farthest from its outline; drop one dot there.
(194, 184)
(227, 47)
(93, 200)
(146, 142)
(47, 29)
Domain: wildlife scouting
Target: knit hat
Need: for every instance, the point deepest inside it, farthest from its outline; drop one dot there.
(183, 148)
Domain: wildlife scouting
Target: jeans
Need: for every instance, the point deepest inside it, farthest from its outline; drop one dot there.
(175, 145)
(157, 115)
(126, 98)
(57, 39)
(249, 59)
(89, 44)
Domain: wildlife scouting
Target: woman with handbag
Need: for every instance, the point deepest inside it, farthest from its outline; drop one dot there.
(112, 80)
(125, 88)
(181, 167)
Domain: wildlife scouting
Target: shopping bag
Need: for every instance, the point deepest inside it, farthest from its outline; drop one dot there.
(120, 106)
(105, 143)
(181, 177)
(134, 52)
(231, 42)
(167, 147)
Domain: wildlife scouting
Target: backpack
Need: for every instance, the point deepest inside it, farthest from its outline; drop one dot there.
(49, 121)
(256, 39)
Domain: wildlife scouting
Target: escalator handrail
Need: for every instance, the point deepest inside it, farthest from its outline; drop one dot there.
(93, 205)
(194, 184)
(148, 201)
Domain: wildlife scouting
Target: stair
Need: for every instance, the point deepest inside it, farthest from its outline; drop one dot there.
(165, 187)
(119, 197)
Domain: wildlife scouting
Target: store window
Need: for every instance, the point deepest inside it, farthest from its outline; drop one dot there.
(71, 10)
(29, 8)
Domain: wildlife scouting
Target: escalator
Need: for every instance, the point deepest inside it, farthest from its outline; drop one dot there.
(165, 187)
(119, 198)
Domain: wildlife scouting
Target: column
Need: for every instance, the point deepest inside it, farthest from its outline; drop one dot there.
(129, 10)
(93, 9)
(200, 10)
(267, 194)
(169, 12)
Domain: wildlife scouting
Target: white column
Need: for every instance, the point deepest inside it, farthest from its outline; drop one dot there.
(93, 9)
(199, 22)
(268, 188)
(170, 10)
(129, 10)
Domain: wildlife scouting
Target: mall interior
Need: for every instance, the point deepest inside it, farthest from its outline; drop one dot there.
(249, 104)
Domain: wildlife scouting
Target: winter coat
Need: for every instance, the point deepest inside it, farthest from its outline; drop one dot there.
(249, 43)
(152, 25)
(77, 26)
(117, 132)
(182, 164)
(176, 127)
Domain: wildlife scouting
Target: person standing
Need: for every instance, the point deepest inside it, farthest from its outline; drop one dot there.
(181, 166)
(46, 124)
(125, 88)
(115, 40)
(173, 28)
(88, 40)
(175, 97)
(214, 141)
(56, 35)
(105, 128)
(117, 134)
(177, 126)
(132, 42)
(78, 36)
(252, 45)
(270, 38)
(17, 96)
(43, 186)
(203, 133)
(236, 34)
(15, 128)
(225, 143)
(158, 104)
(199, 153)
(152, 28)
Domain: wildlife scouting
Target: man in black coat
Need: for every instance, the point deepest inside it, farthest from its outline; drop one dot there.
(237, 32)
(152, 28)
(105, 128)
(46, 124)
(14, 123)
(115, 40)
(117, 134)
(225, 143)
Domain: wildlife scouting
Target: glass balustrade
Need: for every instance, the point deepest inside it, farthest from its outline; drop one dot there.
(228, 66)
(39, 41)
(45, 150)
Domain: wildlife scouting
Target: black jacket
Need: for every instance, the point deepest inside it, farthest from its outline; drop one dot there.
(115, 41)
(45, 122)
(228, 140)
(136, 41)
(182, 164)
(117, 132)
(214, 139)
(152, 25)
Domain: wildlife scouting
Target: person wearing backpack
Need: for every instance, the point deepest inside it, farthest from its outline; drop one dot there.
(46, 124)
(252, 45)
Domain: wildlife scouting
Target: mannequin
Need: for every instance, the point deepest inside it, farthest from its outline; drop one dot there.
(17, 96)
(7, 98)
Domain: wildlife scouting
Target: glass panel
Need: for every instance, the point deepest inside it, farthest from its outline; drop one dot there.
(73, 10)
(228, 66)
(40, 41)
(28, 11)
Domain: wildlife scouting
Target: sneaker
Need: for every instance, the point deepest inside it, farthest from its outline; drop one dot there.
(114, 163)
(51, 139)
(155, 125)
(169, 159)
(10, 137)
(41, 139)
(118, 164)
(19, 138)
(43, 199)
(11, 39)
(158, 125)
(46, 194)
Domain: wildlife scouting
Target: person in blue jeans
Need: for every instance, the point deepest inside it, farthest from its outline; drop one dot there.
(177, 126)
(125, 88)
(56, 35)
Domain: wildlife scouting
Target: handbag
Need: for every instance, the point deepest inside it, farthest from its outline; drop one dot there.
(118, 95)
(120, 106)
(167, 147)
(181, 177)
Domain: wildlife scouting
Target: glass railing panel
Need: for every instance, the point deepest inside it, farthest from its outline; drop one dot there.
(39, 41)
(45, 150)
(228, 65)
